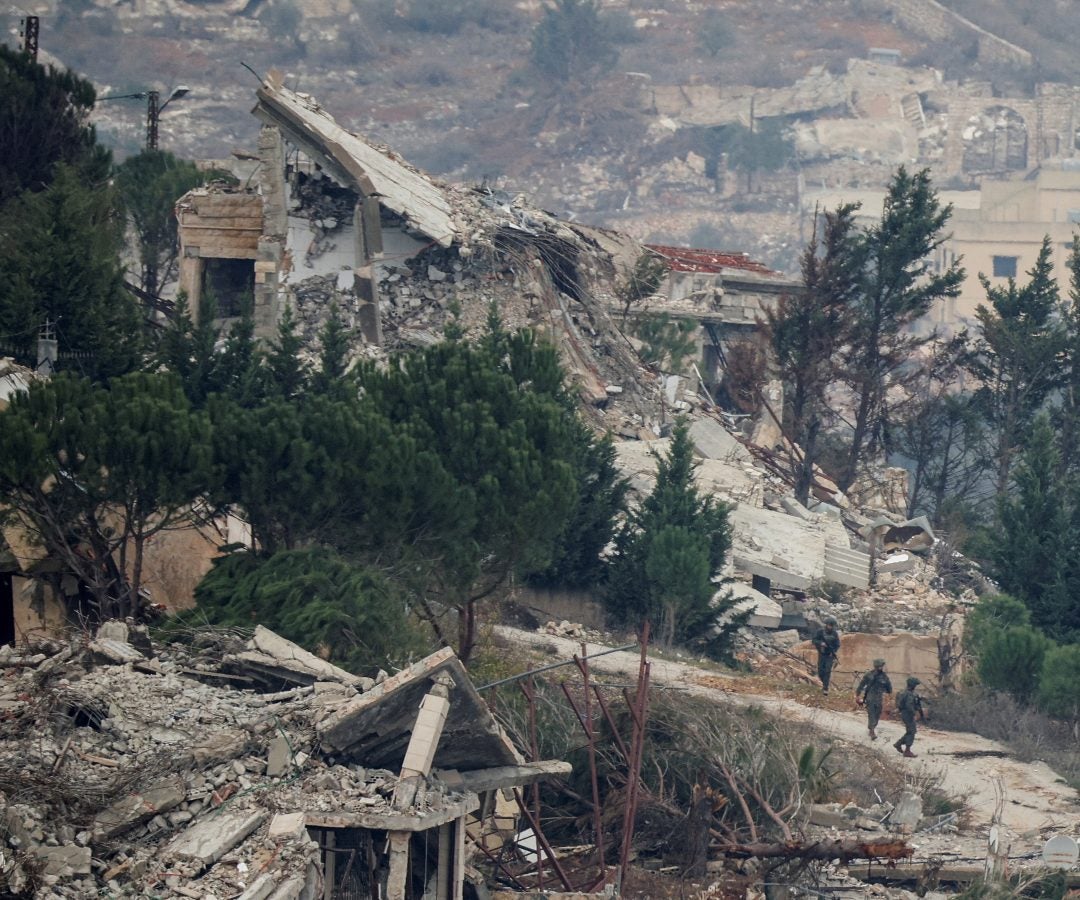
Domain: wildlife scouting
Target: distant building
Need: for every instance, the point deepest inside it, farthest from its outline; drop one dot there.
(1001, 238)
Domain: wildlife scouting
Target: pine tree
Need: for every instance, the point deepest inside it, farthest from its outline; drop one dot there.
(149, 184)
(93, 471)
(45, 112)
(333, 356)
(318, 599)
(898, 286)
(572, 43)
(506, 445)
(1030, 544)
(807, 331)
(288, 374)
(59, 263)
(669, 552)
(1016, 359)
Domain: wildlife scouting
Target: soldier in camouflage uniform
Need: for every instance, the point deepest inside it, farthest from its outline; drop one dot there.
(910, 705)
(871, 691)
(827, 643)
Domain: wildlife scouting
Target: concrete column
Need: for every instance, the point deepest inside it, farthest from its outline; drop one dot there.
(367, 295)
(398, 877)
(445, 871)
(368, 221)
(272, 181)
(330, 869)
(459, 859)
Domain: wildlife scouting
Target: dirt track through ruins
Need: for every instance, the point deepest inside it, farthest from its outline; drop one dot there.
(1036, 799)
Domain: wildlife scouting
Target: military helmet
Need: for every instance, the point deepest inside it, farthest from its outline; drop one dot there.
(831, 621)
(879, 663)
(913, 682)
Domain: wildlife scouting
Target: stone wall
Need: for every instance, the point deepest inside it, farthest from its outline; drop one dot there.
(934, 21)
(1051, 117)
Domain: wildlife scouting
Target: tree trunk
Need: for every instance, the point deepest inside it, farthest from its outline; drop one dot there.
(696, 846)
(466, 630)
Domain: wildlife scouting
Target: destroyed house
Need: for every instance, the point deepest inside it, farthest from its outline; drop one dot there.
(326, 203)
(726, 294)
(245, 769)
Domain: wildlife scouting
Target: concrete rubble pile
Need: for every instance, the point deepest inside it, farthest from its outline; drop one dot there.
(792, 566)
(224, 767)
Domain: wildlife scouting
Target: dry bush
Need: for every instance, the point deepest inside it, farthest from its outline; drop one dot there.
(1027, 732)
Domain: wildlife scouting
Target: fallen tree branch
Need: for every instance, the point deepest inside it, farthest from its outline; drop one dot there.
(844, 850)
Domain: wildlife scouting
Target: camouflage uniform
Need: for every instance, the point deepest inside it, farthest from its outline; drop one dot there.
(909, 705)
(827, 643)
(873, 687)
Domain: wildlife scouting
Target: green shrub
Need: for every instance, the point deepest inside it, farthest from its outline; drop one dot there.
(993, 612)
(346, 613)
(1011, 660)
(715, 34)
(1059, 682)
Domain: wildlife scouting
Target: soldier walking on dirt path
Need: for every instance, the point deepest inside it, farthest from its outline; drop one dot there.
(871, 691)
(910, 705)
(827, 643)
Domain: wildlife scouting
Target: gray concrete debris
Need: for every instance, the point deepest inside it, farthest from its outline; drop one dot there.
(279, 758)
(119, 652)
(713, 441)
(205, 843)
(189, 768)
(908, 812)
(828, 816)
(138, 808)
(65, 861)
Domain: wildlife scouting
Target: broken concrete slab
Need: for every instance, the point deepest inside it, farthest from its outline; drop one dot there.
(896, 563)
(274, 659)
(713, 441)
(827, 817)
(138, 808)
(375, 727)
(261, 888)
(279, 757)
(497, 778)
(287, 825)
(113, 630)
(907, 813)
(355, 163)
(113, 651)
(65, 860)
(210, 839)
(764, 611)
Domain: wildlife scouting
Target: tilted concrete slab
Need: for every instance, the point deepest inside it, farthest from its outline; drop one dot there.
(356, 163)
(399, 821)
(211, 838)
(374, 728)
(764, 611)
(480, 781)
(788, 551)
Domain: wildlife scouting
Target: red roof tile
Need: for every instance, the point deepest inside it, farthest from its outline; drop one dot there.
(687, 259)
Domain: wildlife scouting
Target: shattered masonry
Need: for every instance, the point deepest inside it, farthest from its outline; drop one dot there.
(221, 767)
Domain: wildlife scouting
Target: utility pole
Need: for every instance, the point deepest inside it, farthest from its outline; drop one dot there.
(152, 111)
(30, 27)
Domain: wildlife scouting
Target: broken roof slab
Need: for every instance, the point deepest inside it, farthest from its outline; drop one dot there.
(784, 549)
(354, 162)
(376, 726)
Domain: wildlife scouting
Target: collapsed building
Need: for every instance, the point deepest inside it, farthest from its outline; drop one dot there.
(222, 767)
(333, 220)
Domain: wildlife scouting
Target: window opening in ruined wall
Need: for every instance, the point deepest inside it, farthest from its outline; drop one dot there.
(995, 140)
(1005, 266)
(231, 282)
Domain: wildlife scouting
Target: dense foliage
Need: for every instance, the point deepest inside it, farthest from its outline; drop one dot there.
(349, 614)
(669, 552)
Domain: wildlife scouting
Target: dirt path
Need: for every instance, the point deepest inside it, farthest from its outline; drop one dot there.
(1035, 798)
